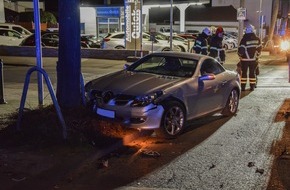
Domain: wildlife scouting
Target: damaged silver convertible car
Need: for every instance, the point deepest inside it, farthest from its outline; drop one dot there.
(163, 90)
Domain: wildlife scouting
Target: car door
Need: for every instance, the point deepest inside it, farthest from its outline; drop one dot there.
(10, 37)
(209, 88)
(148, 42)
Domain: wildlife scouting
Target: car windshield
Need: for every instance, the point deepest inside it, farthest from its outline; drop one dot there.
(165, 65)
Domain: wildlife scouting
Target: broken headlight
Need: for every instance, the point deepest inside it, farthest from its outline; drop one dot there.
(144, 100)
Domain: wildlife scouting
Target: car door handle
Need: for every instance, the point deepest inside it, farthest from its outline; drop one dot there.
(224, 82)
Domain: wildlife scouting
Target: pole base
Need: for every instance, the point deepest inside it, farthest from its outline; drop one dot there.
(3, 101)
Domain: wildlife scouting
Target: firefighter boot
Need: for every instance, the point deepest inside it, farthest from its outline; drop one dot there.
(252, 87)
(243, 86)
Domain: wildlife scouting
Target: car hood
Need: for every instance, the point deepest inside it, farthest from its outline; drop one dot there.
(132, 83)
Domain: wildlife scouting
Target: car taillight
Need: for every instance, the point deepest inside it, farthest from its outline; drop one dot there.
(106, 39)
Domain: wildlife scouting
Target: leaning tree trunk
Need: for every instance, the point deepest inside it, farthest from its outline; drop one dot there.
(69, 59)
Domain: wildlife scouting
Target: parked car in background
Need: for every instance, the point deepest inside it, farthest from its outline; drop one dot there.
(193, 32)
(10, 37)
(164, 90)
(232, 34)
(230, 43)
(166, 31)
(48, 39)
(179, 41)
(23, 31)
(91, 40)
(117, 41)
(188, 36)
(231, 39)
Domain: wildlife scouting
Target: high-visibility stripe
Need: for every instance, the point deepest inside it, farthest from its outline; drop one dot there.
(253, 80)
(253, 59)
(243, 80)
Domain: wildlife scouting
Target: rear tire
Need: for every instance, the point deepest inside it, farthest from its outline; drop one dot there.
(173, 120)
(226, 47)
(119, 47)
(181, 49)
(232, 104)
(166, 49)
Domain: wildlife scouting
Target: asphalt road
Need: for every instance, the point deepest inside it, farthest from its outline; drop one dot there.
(234, 155)
(237, 155)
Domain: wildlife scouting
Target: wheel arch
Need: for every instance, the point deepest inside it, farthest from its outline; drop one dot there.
(171, 98)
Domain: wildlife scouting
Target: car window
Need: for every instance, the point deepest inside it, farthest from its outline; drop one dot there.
(3, 26)
(165, 65)
(2, 32)
(211, 66)
(18, 30)
(119, 36)
(54, 36)
(13, 34)
(146, 37)
(178, 38)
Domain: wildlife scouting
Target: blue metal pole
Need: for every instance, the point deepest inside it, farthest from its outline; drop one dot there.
(52, 95)
(38, 50)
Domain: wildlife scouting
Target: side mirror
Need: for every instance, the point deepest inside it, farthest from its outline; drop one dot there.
(206, 77)
(126, 66)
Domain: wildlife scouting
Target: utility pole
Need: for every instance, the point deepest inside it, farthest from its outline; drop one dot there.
(241, 22)
(69, 55)
(274, 20)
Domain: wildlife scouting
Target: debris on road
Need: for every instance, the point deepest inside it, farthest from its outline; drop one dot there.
(150, 153)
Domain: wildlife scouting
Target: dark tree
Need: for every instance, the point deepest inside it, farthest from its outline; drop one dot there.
(69, 54)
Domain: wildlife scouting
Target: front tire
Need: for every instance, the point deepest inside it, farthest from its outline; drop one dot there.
(119, 47)
(226, 47)
(232, 104)
(173, 120)
(166, 49)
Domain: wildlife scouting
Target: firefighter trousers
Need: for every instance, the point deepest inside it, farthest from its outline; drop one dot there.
(251, 66)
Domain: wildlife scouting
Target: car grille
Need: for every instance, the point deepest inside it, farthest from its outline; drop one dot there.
(122, 99)
(109, 96)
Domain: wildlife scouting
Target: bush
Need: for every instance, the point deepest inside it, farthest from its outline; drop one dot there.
(45, 17)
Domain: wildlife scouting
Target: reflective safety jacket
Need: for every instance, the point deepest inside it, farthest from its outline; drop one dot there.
(250, 47)
(216, 49)
(201, 45)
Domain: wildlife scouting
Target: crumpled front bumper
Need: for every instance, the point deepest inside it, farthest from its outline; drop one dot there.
(148, 117)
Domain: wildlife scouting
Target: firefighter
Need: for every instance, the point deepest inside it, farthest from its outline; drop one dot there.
(201, 44)
(249, 51)
(216, 46)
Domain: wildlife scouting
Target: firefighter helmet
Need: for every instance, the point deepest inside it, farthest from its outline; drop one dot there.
(249, 29)
(207, 31)
(219, 30)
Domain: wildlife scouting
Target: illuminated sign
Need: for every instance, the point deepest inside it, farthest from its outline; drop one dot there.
(133, 24)
(108, 12)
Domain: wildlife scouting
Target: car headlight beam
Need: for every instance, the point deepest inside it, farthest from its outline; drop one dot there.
(285, 45)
